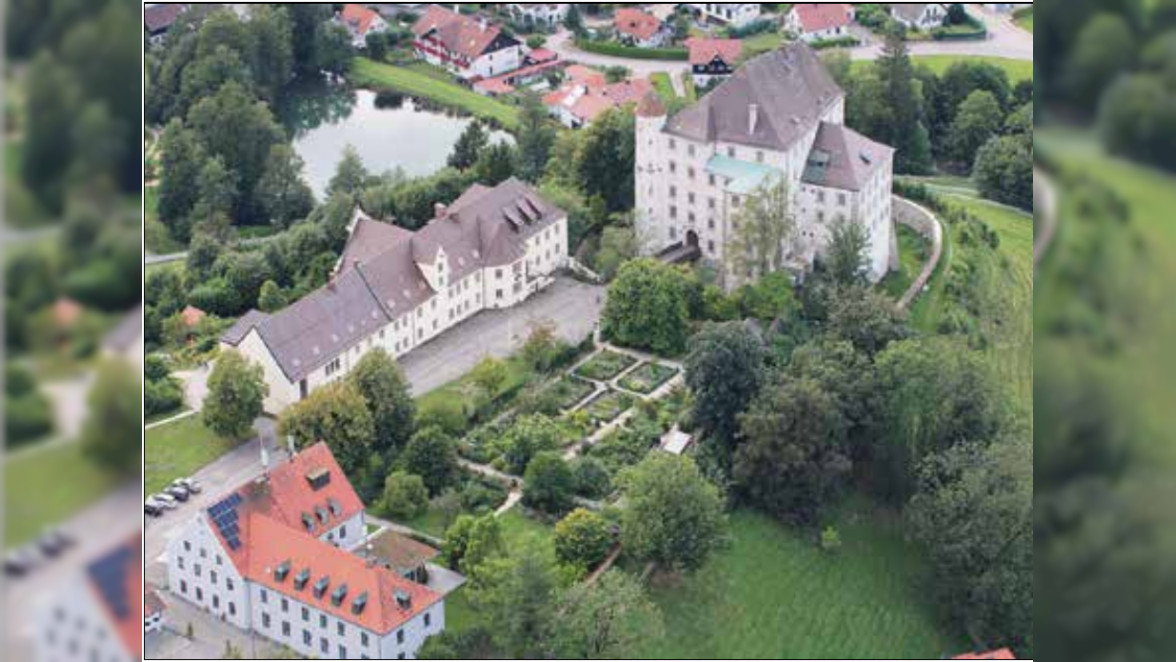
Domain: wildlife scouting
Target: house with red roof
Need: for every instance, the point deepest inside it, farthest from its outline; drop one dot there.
(818, 22)
(98, 615)
(280, 556)
(360, 22)
(640, 28)
(469, 47)
(158, 18)
(587, 95)
(713, 59)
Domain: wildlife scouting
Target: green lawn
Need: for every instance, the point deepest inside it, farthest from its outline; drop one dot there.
(367, 73)
(663, 86)
(517, 373)
(761, 43)
(1024, 18)
(431, 522)
(43, 487)
(1082, 268)
(1003, 290)
(913, 251)
(1017, 70)
(774, 595)
(518, 531)
(179, 449)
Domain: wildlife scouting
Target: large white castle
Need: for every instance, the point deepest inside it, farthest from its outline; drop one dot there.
(780, 115)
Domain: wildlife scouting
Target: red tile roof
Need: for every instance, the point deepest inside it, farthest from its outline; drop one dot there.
(458, 33)
(1002, 654)
(192, 315)
(272, 533)
(116, 579)
(585, 75)
(161, 16)
(595, 97)
(271, 543)
(636, 23)
(542, 55)
(816, 17)
(704, 51)
(651, 105)
(359, 18)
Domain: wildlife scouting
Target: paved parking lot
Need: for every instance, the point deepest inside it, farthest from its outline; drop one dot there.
(573, 306)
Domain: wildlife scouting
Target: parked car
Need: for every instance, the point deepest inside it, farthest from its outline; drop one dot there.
(166, 501)
(179, 493)
(54, 541)
(190, 484)
(152, 508)
(19, 562)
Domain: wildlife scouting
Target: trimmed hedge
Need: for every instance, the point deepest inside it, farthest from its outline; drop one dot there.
(840, 42)
(972, 30)
(620, 50)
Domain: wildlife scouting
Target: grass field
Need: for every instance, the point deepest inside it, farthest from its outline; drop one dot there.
(1003, 292)
(663, 86)
(177, 450)
(1024, 18)
(760, 43)
(49, 485)
(1017, 70)
(913, 251)
(773, 594)
(367, 73)
(1144, 361)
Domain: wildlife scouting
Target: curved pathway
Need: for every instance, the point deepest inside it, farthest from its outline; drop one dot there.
(936, 231)
(1045, 192)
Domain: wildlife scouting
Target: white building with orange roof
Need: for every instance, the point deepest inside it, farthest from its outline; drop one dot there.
(587, 95)
(100, 616)
(275, 557)
(360, 22)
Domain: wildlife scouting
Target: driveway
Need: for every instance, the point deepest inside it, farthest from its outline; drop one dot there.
(573, 306)
(225, 473)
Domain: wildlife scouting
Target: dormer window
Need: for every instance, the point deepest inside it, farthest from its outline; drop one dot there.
(338, 594)
(322, 514)
(359, 603)
(301, 579)
(282, 571)
(308, 522)
(320, 587)
(336, 508)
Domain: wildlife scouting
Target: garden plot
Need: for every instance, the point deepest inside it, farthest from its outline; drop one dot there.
(647, 378)
(605, 408)
(605, 366)
(569, 391)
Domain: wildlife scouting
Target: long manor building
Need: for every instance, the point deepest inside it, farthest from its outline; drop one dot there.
(397, 289)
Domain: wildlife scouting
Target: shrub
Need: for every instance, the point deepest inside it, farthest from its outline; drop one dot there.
(582, 539)
(18, 381)
(839, 42)
(591, 478)
(620, 50)
(446, 414)
(830, 540)
(549, 484)
(536, 41)
(155, 368)
(27, 417)
(405, 495)
(161, 396)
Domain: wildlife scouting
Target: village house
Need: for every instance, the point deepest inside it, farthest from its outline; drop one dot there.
(159, 18)
(640, 28)
(100, 614)
(779, 117)
(548, 15)
(396, 289)
(360, 22)
(919, 16)
(275, 557)
(468, 47)
(818, 22)
(586, 95)
(712, 59)
(734, 14)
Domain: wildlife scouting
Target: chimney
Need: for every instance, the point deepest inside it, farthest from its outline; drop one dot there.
(482, 23)
(753, 117)
(439, 209)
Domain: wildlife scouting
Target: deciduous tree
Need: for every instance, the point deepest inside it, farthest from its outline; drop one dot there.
(648, 307)
(549, 484)
(606, 620)
(337, 414)
(724, 370)
(405, 495)
(582, 539)
(236, 394)
(673, 516)
(380, 381)
(432, 455)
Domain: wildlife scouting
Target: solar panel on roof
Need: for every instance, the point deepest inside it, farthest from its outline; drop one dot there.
(109, 574)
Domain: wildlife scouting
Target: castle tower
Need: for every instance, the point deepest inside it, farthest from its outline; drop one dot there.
(650, 196)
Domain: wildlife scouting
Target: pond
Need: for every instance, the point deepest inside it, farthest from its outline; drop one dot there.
(388, 130)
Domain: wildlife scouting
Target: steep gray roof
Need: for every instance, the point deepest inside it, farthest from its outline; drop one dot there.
(844, 159)
(379, 277)
(789, 88)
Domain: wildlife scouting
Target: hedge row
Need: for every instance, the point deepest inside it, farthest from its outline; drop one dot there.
(620, 50)
(959, 33)
(840, 42)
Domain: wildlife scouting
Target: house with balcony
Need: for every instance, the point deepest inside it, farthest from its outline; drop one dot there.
(467, 46)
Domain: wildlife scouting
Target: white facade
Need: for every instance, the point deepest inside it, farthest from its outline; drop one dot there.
(451, 304)
(201, 573)
(929, 18)
(737, 14)
(75, 626)
(314, 633)
(682, 198)
(546, 14)
(794, 25)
